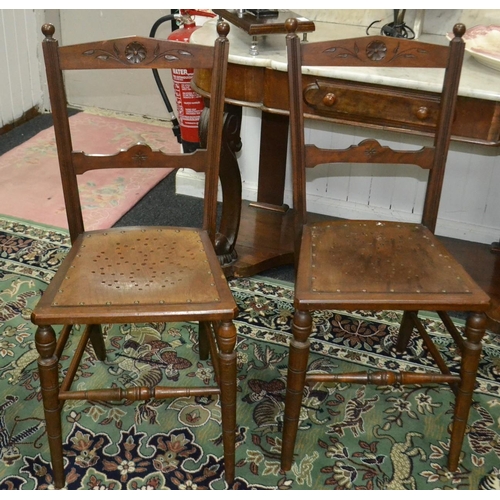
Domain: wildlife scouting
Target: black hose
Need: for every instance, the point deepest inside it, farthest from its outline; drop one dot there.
(175, 123)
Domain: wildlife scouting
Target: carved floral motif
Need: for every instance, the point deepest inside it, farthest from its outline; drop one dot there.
(376, 51)
(135, 52)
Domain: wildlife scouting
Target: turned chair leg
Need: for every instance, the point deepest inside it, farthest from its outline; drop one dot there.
(297, 366)
(474, 332)
(226, 339)
(45, 341)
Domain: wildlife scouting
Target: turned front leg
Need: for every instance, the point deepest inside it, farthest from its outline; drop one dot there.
(45, 341)
(226, 339)
(474, 331)
(297, 366)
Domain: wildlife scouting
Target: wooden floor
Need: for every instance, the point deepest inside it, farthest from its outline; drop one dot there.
(264, 241)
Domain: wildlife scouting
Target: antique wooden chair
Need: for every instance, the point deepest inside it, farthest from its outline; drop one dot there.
(378, 265)
(136, 274)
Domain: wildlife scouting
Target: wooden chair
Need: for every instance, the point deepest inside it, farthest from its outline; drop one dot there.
(378, 265)
(136, 274)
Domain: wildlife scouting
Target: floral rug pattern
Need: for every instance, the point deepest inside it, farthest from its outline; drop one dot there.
(350, 437)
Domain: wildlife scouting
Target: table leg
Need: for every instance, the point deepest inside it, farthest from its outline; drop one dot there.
(230, 178)
(272, 162)
(266, 236)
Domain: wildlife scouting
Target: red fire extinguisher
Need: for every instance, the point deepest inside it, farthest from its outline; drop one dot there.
(189, 104)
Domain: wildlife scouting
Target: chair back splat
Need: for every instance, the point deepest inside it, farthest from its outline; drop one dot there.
(378, 265)
(136, 274)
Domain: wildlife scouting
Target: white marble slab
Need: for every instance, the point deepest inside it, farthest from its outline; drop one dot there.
(476, 80)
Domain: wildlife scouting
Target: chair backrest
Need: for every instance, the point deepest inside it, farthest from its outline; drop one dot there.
(372, 51)
(132, 53)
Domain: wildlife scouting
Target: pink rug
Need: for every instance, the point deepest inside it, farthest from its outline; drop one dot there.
(30, 185)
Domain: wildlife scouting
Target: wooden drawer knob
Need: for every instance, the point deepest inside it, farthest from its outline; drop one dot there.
(329, 99)
(422, 113)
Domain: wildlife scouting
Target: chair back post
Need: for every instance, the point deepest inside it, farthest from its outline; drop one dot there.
(62, 132)
(294, 60)
(443, 135)
(215, 129)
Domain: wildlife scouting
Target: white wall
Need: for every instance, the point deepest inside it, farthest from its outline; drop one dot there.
(139, 94)
(20, 79)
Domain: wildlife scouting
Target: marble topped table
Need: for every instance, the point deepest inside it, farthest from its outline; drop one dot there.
(259, 81)
(476, 81)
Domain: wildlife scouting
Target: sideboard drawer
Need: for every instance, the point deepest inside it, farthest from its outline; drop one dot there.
(376, 105)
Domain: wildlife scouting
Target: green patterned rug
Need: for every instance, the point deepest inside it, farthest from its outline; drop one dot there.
(350, 437)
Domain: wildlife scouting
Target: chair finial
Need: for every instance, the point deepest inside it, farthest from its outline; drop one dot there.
(48, 30)
(291, 25)
(459, 30)
(223, 28)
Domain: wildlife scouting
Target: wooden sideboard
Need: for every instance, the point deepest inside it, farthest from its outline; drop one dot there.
(258, 235)
(340, 101)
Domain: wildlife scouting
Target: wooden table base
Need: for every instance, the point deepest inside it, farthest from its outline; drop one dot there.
(264, 241)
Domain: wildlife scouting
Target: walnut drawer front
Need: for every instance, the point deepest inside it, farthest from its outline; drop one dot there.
(374, 104)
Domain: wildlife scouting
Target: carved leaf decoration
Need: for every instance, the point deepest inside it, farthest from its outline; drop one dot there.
(171, 57)
(356, 48)
(103, 57)
(157, 50)
(89, 52)
(344, 55)
(115, 48)
(185, 53)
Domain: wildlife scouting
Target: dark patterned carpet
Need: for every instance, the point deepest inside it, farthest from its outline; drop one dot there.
(350, 437)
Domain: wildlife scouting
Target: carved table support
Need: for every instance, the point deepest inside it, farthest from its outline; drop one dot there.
(230, 178)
